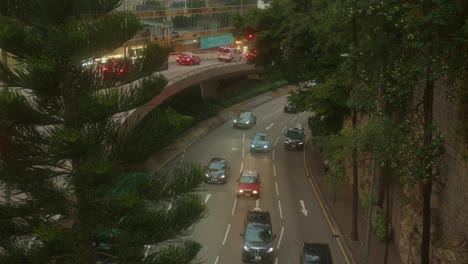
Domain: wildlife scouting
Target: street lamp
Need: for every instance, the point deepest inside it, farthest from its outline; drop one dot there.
(354, 231)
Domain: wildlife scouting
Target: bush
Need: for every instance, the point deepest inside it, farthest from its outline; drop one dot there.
(379, 227)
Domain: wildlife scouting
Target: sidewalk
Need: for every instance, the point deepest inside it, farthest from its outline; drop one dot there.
(341, 213)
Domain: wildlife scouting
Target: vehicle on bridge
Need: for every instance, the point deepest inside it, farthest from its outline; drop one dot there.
(244, 119)
(248, 183)
(188, 58)
(258, 237)
(229, 54)
(219, 170)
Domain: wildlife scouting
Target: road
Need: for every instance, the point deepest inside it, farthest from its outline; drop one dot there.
(286, 191)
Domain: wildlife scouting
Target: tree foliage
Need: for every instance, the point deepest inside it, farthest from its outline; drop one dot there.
(63, 150)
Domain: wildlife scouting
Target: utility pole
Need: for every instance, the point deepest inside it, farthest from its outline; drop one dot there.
(354, 231)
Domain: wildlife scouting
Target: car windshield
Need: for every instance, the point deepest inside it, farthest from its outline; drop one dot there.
(261, 138)
(255, 233)
(248, 179)
(223, 50)
(216, 166)
(244, 116)
(292, 134)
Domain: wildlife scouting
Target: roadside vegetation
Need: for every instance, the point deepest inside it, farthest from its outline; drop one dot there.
(377, 65)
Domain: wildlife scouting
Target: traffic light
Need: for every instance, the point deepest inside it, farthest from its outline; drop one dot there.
(250, 36)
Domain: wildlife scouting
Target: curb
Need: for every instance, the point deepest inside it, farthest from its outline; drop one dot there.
(338, 232)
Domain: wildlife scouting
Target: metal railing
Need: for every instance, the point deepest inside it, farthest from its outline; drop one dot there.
(202, 69)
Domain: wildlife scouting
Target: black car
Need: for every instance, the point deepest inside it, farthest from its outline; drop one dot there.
(244, 119)
(219, 170)
(258, 237)
(316, 253)
(295, 137)
(290, 108)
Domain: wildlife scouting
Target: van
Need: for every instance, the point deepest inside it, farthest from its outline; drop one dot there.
(229, 54)
(295, 137)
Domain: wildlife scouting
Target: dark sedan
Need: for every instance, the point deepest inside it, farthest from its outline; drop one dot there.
(219, 170)
(244, 119)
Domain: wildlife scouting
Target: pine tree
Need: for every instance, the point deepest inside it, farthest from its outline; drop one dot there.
(63, 155)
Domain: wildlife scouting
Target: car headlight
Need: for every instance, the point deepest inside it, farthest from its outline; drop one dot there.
(270, 249)
(300, 143)
(235, 120)
(252, 145)
(207, 175)
(247, 122)
(222, 176)
(254, 192)
(246, 248)
(241, 191)
(266, 146)
(286, 142)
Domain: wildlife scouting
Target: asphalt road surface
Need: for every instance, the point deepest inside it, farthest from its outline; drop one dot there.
(286, 191)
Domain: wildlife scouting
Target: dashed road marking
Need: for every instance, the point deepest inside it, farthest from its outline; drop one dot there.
(227, 232)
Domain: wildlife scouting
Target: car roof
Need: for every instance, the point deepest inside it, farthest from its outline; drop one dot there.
(218, 160)
(249, 173)
(261, 134)
(320, 250)
(257, 216)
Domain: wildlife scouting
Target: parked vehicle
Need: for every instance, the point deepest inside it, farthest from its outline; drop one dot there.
(116, 69)
(229, 54)
(188, 58)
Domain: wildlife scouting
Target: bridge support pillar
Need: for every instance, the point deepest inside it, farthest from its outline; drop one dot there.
(209, 89)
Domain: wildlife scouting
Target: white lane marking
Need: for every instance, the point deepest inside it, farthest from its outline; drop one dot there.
(242, 165)
(234, 206)
(284, 128)
(273, 158)
(276, 142)
(266, 117)
(207, 197)
(216, 260)
(268, 127)
(227, 232)
(147, 250)
(276, 185)
(280, 211)
(257, 203)
(302, 113)
(235, 149)
(243, 151)
(243, 138)
(276, 260)
(281, 236)
(274, 170)
(279, 110)
(304, 211)
(169, 207)
(292, 120)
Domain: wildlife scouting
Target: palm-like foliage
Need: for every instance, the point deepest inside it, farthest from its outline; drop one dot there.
(62, 153)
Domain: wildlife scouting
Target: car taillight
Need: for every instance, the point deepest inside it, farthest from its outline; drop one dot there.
(104, 68)
(121, 70)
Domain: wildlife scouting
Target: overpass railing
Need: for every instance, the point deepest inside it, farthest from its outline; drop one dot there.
(198, 70)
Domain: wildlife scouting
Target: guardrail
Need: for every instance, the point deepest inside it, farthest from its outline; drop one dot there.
(202, 69)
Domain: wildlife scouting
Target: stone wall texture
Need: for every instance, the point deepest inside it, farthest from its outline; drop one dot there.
(449, 229)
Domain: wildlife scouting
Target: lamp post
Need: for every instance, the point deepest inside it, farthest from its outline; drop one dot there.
(354, 231)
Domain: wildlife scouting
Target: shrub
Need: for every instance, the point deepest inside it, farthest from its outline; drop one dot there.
(379, 227)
